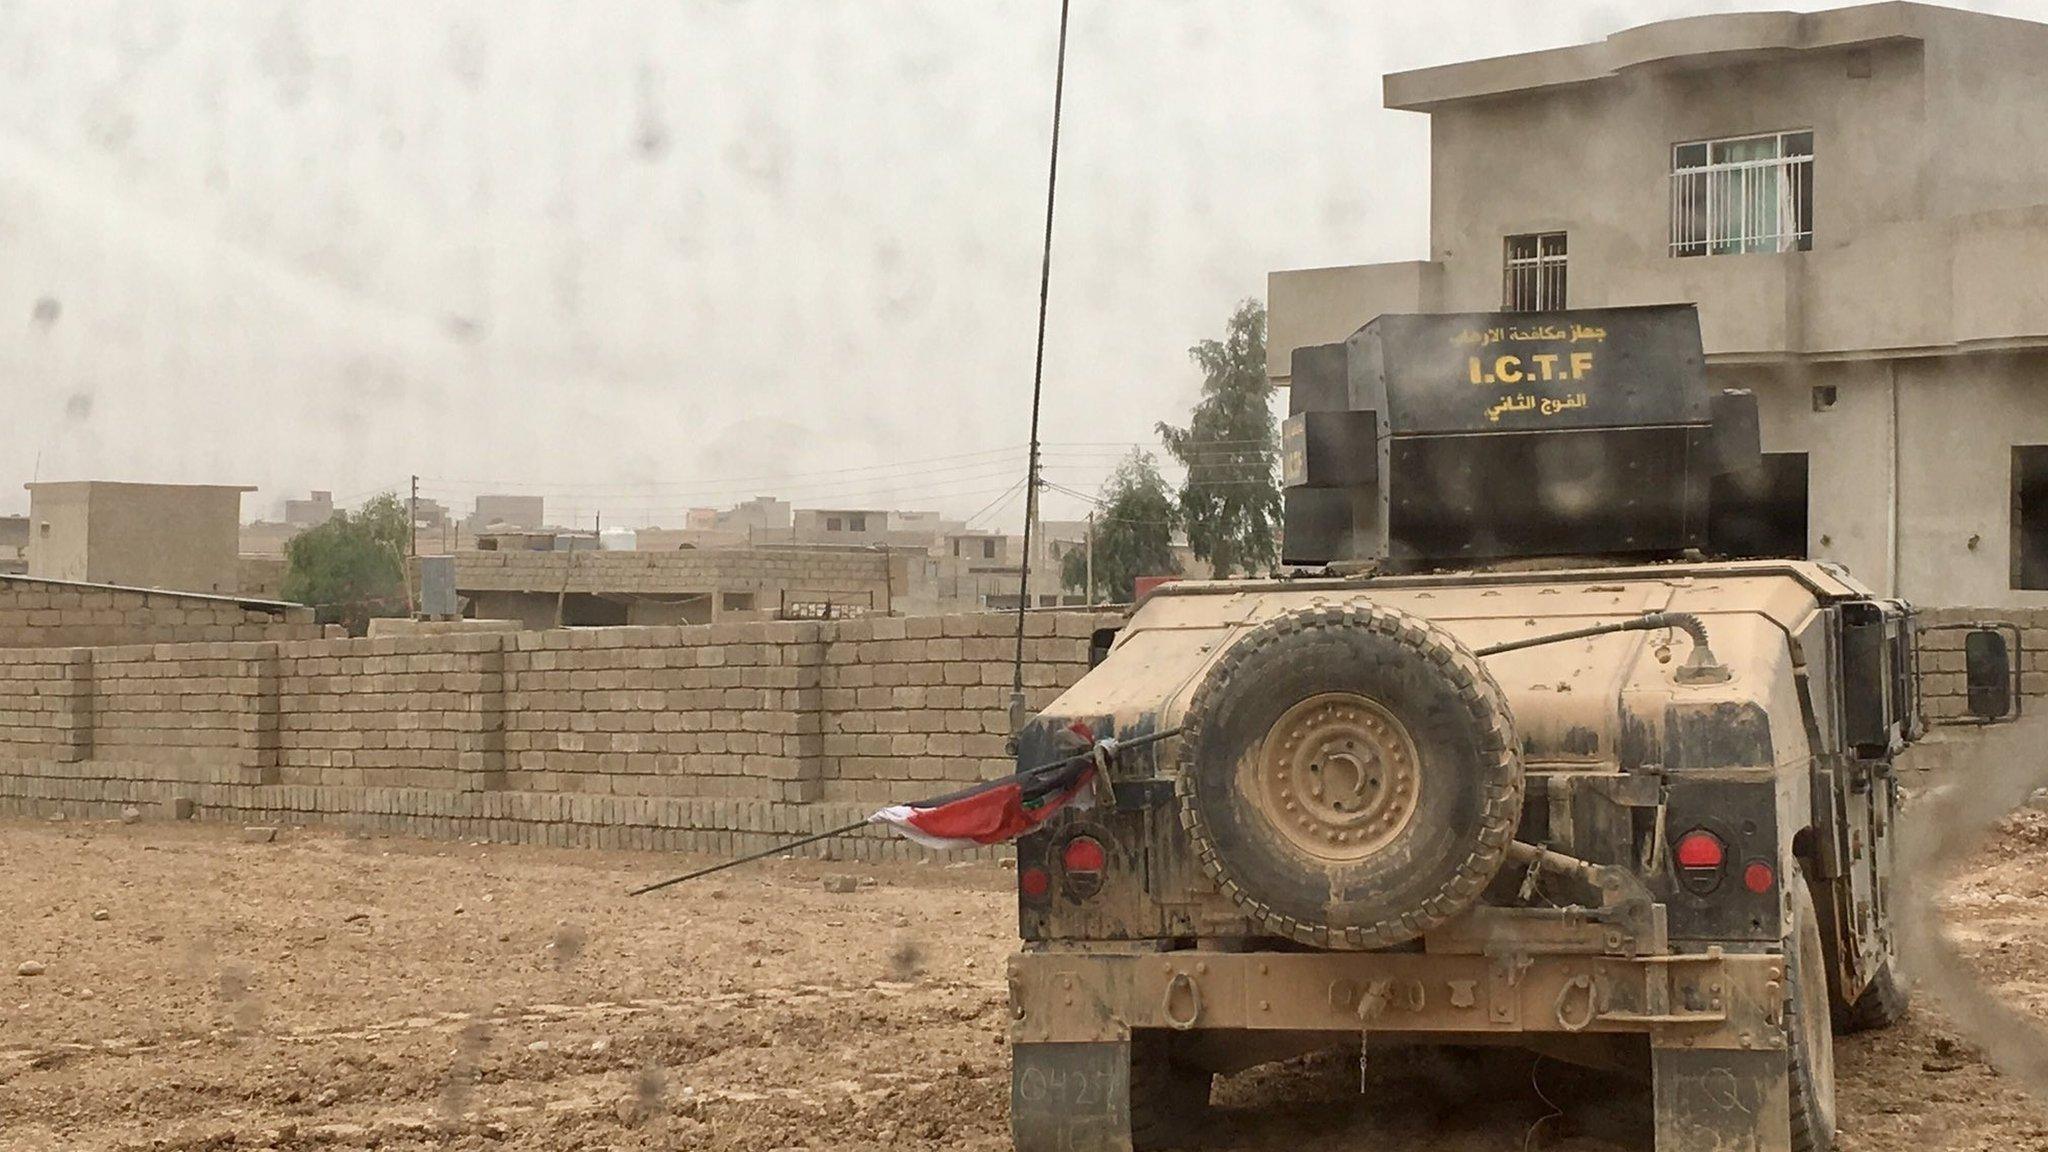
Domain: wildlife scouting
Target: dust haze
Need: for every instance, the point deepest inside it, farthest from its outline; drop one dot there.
(1936, 836)
(644, 256)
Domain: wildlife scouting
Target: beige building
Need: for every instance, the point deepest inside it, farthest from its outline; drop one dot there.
(508, 512)
(171, 536)
(878, 527)
(595, 588)
(317, 508)
(1856, 199)
(13, 544)
(761, 516)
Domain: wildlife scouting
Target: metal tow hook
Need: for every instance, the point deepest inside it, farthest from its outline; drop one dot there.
(1565, 1018)
(1194, 997)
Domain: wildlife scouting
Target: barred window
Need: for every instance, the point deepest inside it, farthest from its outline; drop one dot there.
(1532, 277)
(1742, 194)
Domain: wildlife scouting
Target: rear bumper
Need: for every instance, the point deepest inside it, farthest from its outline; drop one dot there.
(1711, 1000)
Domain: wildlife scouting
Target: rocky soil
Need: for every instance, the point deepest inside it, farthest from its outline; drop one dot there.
(187, 988)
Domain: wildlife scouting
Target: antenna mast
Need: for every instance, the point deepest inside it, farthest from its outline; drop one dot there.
(1031, 478)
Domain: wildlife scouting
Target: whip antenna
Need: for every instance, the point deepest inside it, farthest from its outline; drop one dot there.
(1031, 485)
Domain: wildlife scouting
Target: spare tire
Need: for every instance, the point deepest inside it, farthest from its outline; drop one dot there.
(1349, 775)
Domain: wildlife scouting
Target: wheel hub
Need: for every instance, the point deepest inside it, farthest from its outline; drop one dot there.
(1337, 775)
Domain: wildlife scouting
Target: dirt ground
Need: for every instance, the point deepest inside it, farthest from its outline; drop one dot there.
(335, 992)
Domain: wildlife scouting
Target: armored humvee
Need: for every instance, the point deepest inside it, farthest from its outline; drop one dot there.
(1506, 760)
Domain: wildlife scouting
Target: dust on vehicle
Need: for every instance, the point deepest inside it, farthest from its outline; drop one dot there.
(1506, 761)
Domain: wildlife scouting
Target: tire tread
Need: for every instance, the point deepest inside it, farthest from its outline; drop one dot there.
(1483, 699)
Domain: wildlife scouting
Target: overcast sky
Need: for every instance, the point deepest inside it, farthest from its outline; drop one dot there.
(643, 256)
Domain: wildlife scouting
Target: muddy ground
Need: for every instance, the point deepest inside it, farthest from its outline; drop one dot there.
(335, 992)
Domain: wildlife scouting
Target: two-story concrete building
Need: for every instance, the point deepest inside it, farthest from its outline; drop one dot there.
(1856, 199)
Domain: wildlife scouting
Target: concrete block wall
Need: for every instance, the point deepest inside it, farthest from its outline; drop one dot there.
(59, 614)
(930, 695)
(696, 570)
(1943, 689)
(45, 704)
(715, 738)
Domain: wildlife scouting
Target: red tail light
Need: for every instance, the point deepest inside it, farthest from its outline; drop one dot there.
(1700, 849)
(1034, 882)
(1700, 856)
(1759, 877)
(1083, 854)
(1082, 859)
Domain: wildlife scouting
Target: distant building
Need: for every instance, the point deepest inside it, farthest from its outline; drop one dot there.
(13, 544)
(315, 510)
(267, 538)
(172, 536)
(975, 571)
(878, 527)
(430, 514)
(851, 523)
(993, 547)
(759, 516)
(508, 512)
(589, 587)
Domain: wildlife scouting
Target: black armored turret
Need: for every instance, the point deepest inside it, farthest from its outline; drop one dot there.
(1452, 439)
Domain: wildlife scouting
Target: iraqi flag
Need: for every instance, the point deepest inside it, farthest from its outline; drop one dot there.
(1001, 810)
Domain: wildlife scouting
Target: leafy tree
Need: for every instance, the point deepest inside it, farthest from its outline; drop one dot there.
(352, 567)
(1230, 502)
(1133, 533)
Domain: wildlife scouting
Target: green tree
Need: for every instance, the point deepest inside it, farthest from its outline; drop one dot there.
(352, 567)
(1230, 502)
(1133, 533)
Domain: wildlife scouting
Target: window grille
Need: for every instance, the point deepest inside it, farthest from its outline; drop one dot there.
(1743, 194)
(1532, 277)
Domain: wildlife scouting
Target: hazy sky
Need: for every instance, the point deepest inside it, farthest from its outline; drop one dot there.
(643, 256)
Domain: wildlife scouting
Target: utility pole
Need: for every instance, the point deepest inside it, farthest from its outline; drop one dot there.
(1091, 560)
(412, 528)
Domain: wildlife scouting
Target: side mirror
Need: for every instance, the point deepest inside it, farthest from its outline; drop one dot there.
(1099, 642)
(1987, 674)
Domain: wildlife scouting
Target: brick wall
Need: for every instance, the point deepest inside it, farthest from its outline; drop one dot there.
(1941, 654)
(839, 574)
(714, 738)
(60, 614)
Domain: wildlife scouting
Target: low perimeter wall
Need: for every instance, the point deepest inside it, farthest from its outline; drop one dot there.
(718, 738)
(714, 738)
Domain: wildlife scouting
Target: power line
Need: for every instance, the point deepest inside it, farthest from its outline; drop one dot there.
(991, 505)
(915, 466)
(939, 481)
(764, 478)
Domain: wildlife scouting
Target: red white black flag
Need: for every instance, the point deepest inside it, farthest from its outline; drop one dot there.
(1001, 810)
